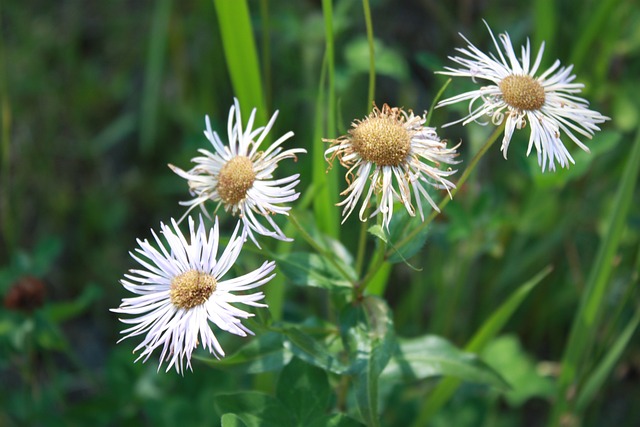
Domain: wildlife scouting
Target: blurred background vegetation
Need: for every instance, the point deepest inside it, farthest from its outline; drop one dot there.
(97, 98)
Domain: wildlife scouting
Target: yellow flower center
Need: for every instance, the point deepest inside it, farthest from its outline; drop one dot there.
(191, 289)
(235, 179)
(381, 139)
(522, 92)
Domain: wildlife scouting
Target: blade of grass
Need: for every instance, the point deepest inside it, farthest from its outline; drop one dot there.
(591, 30)
(372, 58)
(8, 235)
(489, 329)
(153, 74)
(590, 309)
(241, 56)
(266, 52)
(603, 370)
(326, 181)
(546, 21)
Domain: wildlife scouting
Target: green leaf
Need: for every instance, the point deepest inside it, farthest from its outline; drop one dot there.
(234, 22)
(305, 390)
(254, 409)
(432, 356)
(61, 311)
(310, 223)
(307, 269)
(232, 420)
(265, 353)
(367, 330)
(312, 350)
(44, 255)
(501, 316)
(485, 333)
(401, 225)
(607, 141)
(388, 61)
(378, 231)
(335, 420)
(519, 369)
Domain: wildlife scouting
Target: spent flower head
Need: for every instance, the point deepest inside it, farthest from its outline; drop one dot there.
(518, 93)
(181, 289)
(239, 176)
(393, 153)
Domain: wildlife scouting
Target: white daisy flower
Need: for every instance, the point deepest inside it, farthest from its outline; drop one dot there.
(240, 177)
(546, 101)
(181, 290)
(391, 143)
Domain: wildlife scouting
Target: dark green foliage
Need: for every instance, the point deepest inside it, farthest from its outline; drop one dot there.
(97, 97)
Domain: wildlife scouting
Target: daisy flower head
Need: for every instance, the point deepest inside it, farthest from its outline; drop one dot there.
(516, 91)
(393, 153)
(180, 290)
(239, 176)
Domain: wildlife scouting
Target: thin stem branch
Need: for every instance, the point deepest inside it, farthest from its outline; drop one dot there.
(362, 240)
(319, 249)
(465, 175)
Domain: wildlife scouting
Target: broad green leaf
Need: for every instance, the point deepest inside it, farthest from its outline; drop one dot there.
(61, 311)
(388, 61)
(335, 420)
(367, 330)
(433, 356)
(254, 409)
(607, 141)
(322, 239)
(264, 353)
(307, 269)
(312, 350)
(44, 255)
(305, 390)
(231, 420)
(485, 333)
(506, 355)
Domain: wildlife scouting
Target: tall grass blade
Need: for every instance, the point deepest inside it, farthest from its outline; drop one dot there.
(325, 126)
(589, 311)
(591, 30)
(241, 56)
(153, 74)
(603, 370)
(489, 329)
(546, 22)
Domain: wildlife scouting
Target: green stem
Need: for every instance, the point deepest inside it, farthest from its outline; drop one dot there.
(372, 59)
(465, 175)
(319, 249)
(362, 240)
(376, 262)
